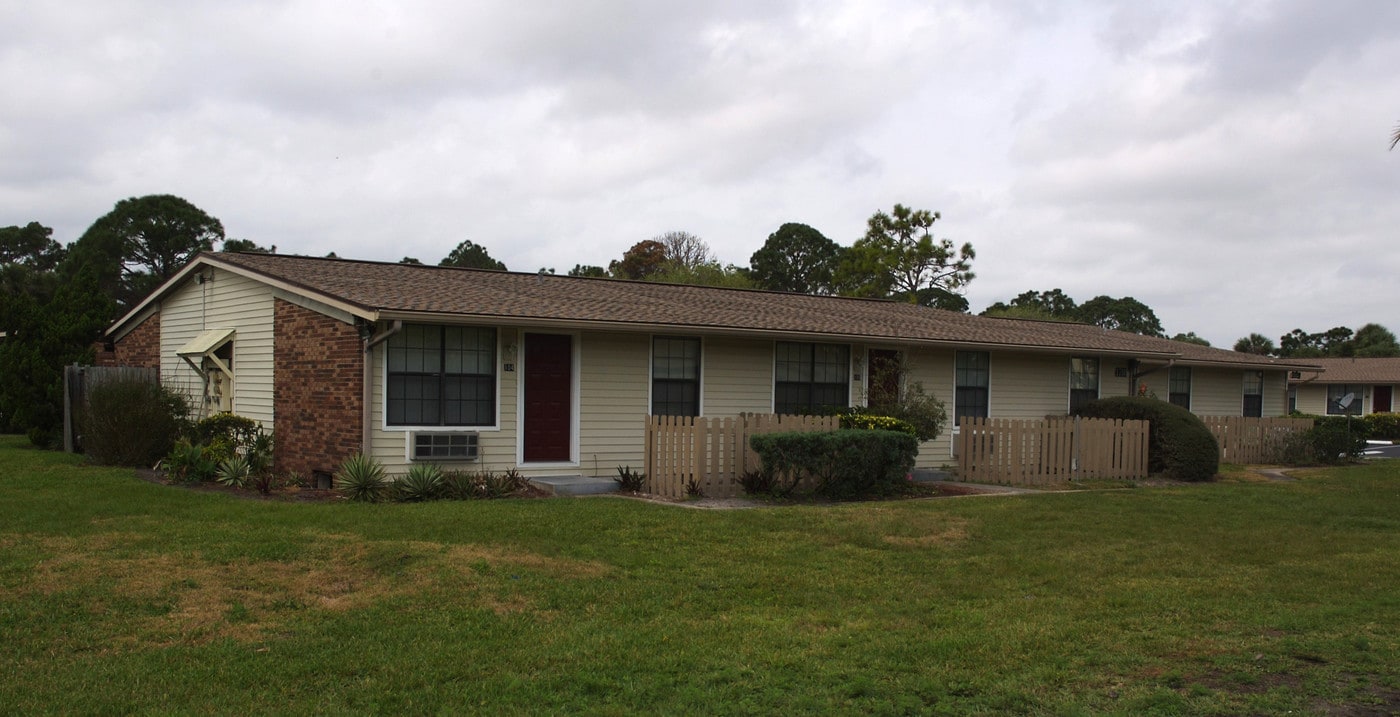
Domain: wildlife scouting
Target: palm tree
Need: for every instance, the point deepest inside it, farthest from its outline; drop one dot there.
(1395, 137)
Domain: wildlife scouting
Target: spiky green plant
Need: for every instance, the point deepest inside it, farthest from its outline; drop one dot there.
(423, 482)
(361, 478)
(234, 472)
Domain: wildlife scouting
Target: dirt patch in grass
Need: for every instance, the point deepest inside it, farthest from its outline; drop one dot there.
(166, 599)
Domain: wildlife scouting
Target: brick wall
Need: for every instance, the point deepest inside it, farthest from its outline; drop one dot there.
(141, 346)
(318, 374)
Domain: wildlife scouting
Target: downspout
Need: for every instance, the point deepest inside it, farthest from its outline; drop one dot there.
(367, 383)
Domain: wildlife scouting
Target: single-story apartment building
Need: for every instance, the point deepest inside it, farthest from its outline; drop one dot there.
(1370, 382)
(555, 375)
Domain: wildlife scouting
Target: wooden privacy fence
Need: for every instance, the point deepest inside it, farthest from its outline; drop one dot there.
(78, 381)
(1254, 440)
(712, 453)
(1033, 452)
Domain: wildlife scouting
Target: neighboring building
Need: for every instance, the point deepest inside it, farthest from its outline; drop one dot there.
(556, 374)
(1370, 381)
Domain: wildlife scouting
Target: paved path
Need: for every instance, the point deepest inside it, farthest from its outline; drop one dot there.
(1280, 474)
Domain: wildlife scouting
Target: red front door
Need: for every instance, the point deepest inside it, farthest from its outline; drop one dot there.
(549, 386)
(1380, 399)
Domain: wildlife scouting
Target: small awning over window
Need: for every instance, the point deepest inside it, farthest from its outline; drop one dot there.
(203, 346)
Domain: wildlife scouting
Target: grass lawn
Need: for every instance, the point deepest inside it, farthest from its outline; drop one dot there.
(120, 596)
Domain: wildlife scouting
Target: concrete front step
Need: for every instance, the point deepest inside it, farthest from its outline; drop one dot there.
(575, 485)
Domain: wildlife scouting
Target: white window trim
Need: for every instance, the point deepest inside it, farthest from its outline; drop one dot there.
(773, 370)
(1069, 380)
(381, 354)
(651, 367)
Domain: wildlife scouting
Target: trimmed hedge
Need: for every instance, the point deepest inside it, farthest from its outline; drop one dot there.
(1383, 426)
(842, 464)
(1180, 445)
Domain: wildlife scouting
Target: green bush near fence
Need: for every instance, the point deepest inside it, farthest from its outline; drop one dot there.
(1179, 445)
(131, 422)
(838, 464)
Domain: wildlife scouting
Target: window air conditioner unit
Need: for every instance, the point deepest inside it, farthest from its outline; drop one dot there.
(443, 446)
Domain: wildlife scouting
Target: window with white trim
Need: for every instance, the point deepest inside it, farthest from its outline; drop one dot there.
(441, 376)
(675, 376)
(1254, 393)
(810, 377)
(1083, 382)
(971, 395)
(1179, 386)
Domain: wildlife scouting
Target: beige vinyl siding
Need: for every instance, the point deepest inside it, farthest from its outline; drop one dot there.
(933, 369)
(613, 396)
(1217, 392)
(1312, 398)
(1029, 385)
(1276, 393)
(226, 301)
(737, 376)
(1111, 385)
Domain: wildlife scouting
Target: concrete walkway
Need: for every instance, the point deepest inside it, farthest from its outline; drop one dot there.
(576, 485)
(1279, 474)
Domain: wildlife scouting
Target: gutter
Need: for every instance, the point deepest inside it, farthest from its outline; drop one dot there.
(366, 383)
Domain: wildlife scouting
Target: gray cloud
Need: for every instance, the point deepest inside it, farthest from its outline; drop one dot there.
(1224, 163)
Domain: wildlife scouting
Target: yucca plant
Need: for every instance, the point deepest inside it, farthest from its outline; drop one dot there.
(361, 478)
(423, 482)
(234, 472)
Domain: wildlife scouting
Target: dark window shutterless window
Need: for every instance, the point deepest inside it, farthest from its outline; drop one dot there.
(1083, 382)
(1179, 386)
(810, 377)
(970, 397)
(1335, 392)
(442, 376)
(675, 376)
(1254, 393)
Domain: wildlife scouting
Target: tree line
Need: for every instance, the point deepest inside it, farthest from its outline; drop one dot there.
(1369, 341)
(58, 299)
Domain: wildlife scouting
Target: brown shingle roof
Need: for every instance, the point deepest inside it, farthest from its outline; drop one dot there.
(1353, 370)
(404, 290)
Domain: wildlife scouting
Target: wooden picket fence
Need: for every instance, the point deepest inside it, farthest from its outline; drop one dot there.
(1036, 452)
(712, 453)
(1253, 440)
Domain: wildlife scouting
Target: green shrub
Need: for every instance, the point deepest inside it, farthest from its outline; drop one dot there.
(759, 482)
(841, 464)
(423, 482)
(1180, 446)
(1383, 426)
(231, 428)
(921, 410)
(361, 479)
(468, 485)
(872, 422)
(1336, 439)
(188, 463)
(630, 481)
(131, 422)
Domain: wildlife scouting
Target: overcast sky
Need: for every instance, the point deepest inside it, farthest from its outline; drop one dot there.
(1224, 162)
